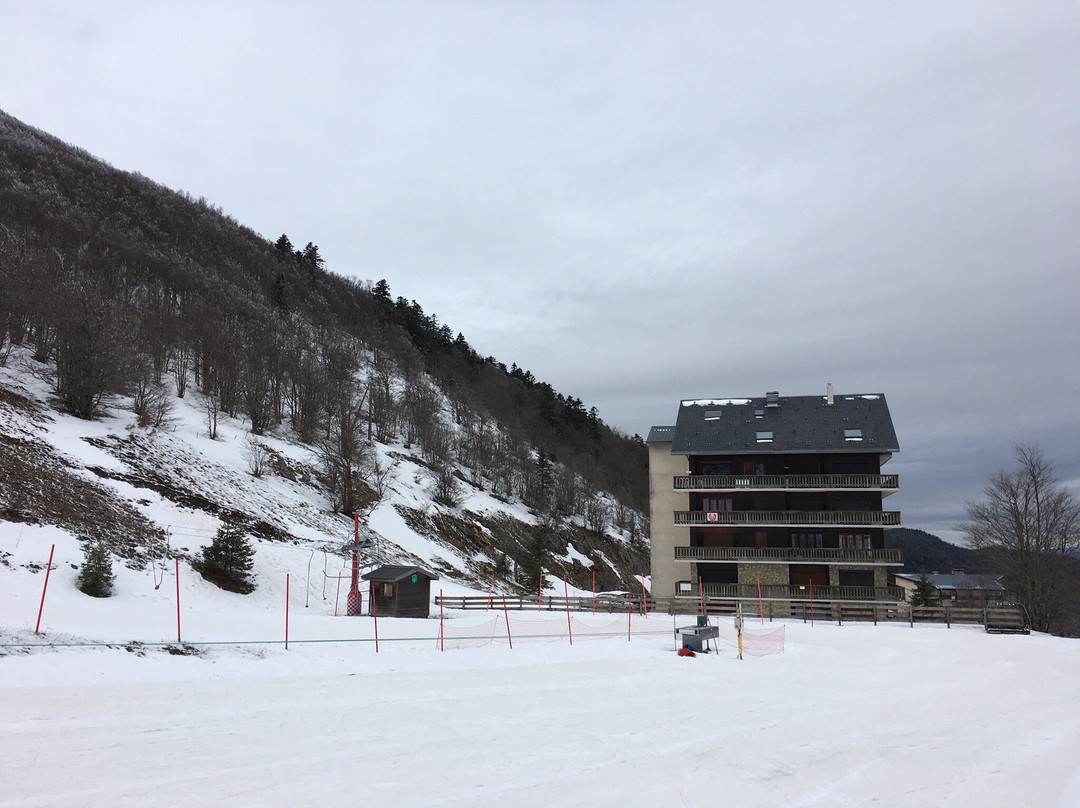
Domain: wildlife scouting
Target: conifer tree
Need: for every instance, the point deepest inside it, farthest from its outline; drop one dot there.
(229, 556)
(537, 556)
(96, 576)
(924, 593)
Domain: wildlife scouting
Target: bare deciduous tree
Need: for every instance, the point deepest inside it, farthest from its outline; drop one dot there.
(256, 454)
(212, 409)
(345, 450)
(1028, 525)
(446, 486)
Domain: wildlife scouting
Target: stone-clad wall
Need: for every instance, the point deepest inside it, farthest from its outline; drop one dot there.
(769, 574)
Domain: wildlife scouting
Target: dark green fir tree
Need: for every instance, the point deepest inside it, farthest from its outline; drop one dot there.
(230, 556)
(924, 593)
(96, 576)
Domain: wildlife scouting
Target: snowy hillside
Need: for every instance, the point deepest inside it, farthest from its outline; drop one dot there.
(154, 493)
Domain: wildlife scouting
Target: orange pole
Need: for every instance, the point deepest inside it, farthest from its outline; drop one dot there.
(375, 614)
(506, 617)
(566, 596)
(177, 598)
(44, 589)
(644, 597)
(761, 607)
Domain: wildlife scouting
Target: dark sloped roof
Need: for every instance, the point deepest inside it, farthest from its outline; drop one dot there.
(958, 580)
(660, 434)
(797, 424)
(393, 574)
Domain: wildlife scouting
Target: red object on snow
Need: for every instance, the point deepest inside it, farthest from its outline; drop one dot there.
(686, 652)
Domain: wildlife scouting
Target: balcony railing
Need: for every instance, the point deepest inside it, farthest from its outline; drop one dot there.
(788, 482)
(787, 518)
(749, 592)
(791, 555)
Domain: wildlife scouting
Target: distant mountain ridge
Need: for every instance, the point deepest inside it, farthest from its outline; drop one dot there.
(925, 552)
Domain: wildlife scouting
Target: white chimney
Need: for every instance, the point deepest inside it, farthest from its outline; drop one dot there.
(828, 394)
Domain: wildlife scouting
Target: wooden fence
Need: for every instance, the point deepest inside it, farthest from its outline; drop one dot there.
(998, 619)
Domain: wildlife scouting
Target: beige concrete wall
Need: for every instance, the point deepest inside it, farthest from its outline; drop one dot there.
(664, 536)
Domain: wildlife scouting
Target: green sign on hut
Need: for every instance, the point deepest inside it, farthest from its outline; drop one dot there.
(399, 591)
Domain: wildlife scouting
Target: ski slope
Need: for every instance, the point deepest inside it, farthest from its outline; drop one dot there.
(847, 715)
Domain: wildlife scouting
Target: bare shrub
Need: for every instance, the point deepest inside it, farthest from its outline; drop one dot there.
(257, 455)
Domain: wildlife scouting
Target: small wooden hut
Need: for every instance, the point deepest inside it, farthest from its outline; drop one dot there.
(398, 591)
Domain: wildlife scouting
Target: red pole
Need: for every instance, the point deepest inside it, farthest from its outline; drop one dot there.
(286, 611)
(566, 596)
(44, 589)
(491, 589)
(644, 597)
(375, 614)
(337, 597)
(506, 617)
(760, 606)
(629, 611)
(442, 641)
(540, 591)
(701, 593)
(594, 592)
(178, 599)
(811, 601)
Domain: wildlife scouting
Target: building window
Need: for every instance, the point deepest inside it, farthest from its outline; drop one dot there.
(716, 504)
(764, 436)
(852, 434)
(387, 591)
(806, 540)
(855, 541)
(716, 468)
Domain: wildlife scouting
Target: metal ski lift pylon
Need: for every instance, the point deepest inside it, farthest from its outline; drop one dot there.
(355, 600)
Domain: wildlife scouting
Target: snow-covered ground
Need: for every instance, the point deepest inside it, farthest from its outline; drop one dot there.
(852, 715)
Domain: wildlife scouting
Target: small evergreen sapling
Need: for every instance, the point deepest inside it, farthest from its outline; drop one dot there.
(96, 576)
(924, 593)
(229, 558)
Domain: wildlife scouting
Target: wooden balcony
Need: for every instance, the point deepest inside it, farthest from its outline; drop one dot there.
(787, 518)
(788, 482)
(791, 555)
(749, 592)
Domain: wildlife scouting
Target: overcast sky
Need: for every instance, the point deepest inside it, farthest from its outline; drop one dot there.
(643, 202)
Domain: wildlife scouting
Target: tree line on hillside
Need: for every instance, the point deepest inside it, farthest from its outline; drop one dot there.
(121, 286)
(925, 552)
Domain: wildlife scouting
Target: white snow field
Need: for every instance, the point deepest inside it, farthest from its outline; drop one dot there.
(851, 715)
